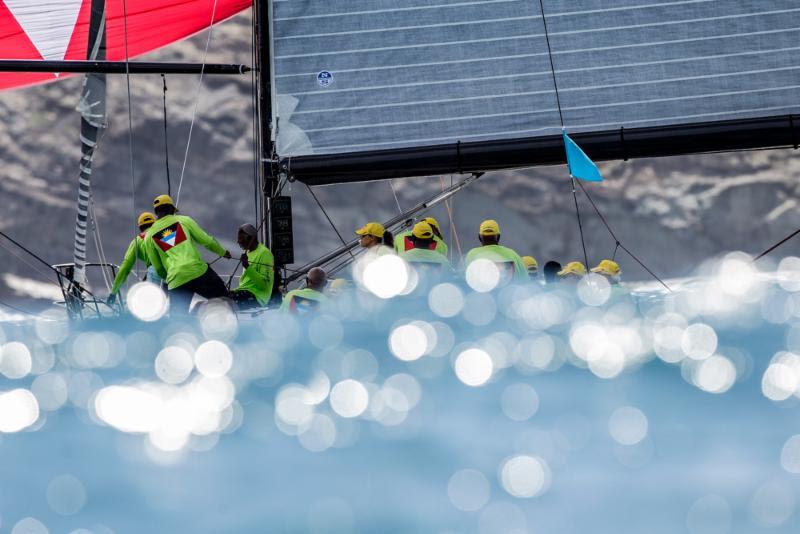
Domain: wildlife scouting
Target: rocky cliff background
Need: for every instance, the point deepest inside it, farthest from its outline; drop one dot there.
(673, 212)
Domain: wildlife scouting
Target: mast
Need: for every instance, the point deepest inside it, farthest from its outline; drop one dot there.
(277, 224)
(92, 108)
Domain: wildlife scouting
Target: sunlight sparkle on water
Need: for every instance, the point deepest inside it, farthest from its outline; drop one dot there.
(525, 476)
(699, 341)
(349, 398)
(482, 275)
(50, 390)
(715, 375)
(66, 495)
(386, 276)
(519, 401)
(789, 274)
(594, 290)
(474, 367)
(15, 360)
(29, 525)
(782, 378)
(147, 302)
(468, 490)
(174, 364)
(408, 342)
(446, 300)
(773, 503)
(213, 359)
(627, 425)
(710, 514)
(18, 410)
(790, 455)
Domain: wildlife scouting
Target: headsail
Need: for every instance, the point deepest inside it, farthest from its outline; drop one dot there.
(375, 76)
(59, 29)
(92, 108)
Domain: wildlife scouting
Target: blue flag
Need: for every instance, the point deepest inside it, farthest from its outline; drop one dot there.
(580, 166)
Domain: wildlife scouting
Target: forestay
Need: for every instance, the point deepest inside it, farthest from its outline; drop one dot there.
(361, 75)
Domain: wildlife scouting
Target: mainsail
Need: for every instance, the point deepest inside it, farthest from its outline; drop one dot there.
(59, 29)
(372, 89)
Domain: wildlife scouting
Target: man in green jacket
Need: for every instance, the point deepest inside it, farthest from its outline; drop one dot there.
(307, 300)
(171, 248)
(135, 252)
(255, 285)
(423, 249)
(510, 264)
(404, 243)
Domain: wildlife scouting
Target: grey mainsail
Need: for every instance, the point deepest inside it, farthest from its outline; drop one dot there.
(369, 75)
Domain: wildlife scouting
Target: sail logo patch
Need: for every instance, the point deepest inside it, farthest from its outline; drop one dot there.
(169, 237)
(324, 78)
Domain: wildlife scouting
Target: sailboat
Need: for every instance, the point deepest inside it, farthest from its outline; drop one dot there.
(355, 91)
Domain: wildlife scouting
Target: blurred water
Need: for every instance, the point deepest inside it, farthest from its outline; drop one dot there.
(449, 410)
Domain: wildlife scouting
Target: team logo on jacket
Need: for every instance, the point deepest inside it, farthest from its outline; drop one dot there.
(169, 237)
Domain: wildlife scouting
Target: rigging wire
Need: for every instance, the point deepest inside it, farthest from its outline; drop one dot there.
(166, 137)
(196, 100)
(328, 217)
(98, 244)
(394, 192)
(618, 243)
(45, 276)
(130, 110)
(563, 129)
(19, 310)
(453, 229)
(40, 260)
(254, 115)
(776, 245)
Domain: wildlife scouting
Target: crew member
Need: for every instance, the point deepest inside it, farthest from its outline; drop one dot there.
(171, 248)
(404, 243)
(135, 251)
(255, 285)
(550, 271)
(510, 264)
(306, 300)
(532, 266)
(612, 272)
(375, 238)
(573, 272)
(423, 249)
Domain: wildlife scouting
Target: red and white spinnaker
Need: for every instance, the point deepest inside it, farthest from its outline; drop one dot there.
(59, 29)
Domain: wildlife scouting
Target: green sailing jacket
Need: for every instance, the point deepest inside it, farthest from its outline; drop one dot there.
(401, 246)
(500, 254)
(421, 255)
(259, 275)
(135, 251)
(171, 248)
(302, 301)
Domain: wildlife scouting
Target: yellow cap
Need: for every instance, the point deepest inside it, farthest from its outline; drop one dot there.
(573, 268)
(163, 200)
(434, 223)
(608, 268)
(337, 285)
(422, 230)
(490, 227)
(373, 228)
(146, 218)
(530, 263)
